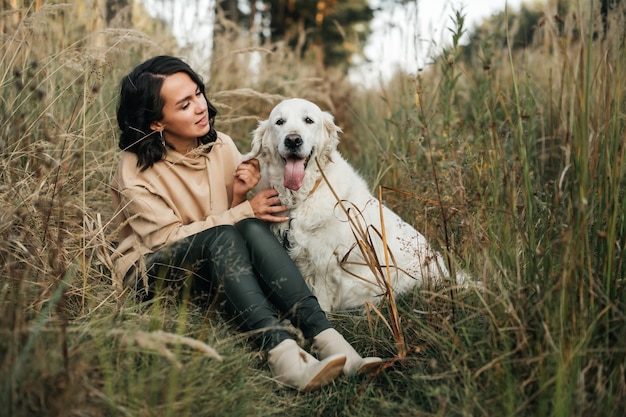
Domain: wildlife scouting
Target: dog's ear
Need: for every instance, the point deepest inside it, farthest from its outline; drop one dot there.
(331, 135)
(258, 145)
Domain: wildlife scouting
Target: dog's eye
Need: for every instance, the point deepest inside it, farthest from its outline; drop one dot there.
(280, 122)
(308, 121)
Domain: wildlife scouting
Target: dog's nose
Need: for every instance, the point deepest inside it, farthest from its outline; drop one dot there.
(293, 141)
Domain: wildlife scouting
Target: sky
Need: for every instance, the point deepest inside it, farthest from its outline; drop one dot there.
(404, 36)
(407, 36)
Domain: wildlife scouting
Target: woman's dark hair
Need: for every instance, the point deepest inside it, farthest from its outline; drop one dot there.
(140, 104)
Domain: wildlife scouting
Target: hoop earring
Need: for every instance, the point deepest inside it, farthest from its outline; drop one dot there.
(161, 137)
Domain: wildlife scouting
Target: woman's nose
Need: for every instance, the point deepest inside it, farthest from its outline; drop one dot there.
(202, 105)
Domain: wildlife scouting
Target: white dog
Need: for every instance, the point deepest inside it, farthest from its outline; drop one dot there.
(335, 233)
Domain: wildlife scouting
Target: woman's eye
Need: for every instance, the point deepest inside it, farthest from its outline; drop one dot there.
(280, 122)
(308, 121)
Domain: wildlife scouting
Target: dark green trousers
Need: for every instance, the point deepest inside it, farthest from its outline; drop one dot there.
(246, 266)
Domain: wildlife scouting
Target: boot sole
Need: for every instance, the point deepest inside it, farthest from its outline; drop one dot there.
(370, 367)
(327, 374)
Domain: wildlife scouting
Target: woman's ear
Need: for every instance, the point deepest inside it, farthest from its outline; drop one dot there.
(157, 126)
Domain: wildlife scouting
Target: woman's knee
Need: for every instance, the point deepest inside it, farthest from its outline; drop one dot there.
(253, 228)
(219, 246)
(251, 223)
(220, 236)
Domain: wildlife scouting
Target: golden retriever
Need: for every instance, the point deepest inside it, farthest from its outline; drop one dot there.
(335, 233)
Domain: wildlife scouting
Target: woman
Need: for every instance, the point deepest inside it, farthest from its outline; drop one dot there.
(186, 224)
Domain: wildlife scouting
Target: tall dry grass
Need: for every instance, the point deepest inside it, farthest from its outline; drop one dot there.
(512, 163)
(529, 147)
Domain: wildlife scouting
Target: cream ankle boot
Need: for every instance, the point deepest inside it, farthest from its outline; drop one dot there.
(294, 367)
(330, 342)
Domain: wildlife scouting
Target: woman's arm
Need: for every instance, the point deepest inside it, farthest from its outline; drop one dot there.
(157, 224)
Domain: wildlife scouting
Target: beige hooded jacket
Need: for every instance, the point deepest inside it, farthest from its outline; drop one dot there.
(175, 198)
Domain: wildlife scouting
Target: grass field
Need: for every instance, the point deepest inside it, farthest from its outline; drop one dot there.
(512, 163)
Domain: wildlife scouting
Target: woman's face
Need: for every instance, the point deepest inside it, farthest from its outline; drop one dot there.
(185, 112)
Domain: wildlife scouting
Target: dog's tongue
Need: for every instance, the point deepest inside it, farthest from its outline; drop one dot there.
(294, 173)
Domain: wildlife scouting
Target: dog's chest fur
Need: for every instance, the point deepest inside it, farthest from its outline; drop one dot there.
(311, 235)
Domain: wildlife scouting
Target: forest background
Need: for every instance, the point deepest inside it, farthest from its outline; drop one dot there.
(505, 150)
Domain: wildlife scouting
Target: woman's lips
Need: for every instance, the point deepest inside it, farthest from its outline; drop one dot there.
(203, 122)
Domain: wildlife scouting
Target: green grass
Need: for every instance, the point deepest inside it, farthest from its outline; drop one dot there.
(513, 163)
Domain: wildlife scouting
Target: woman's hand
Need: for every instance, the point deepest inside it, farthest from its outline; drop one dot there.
(267, 206)
(247, 175)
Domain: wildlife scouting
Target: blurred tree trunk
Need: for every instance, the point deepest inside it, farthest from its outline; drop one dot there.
(98, 23)
(232, 12)
(322, 9)
(231, 9)
(253, 12)
(8, 24)
(113, 7)
(606, 7)
(332, 30)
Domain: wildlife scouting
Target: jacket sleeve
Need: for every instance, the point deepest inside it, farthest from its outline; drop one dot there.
(156, 224)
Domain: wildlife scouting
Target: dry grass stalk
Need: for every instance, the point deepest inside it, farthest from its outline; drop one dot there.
(159, 340)
(364, 243)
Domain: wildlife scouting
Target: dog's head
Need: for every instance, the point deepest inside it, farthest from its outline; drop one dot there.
(296, 133)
